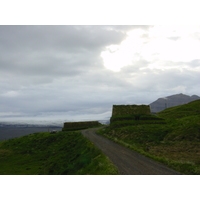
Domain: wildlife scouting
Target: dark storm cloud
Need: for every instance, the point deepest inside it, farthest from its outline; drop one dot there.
(57, 37)
(53, 69)
(53, 50)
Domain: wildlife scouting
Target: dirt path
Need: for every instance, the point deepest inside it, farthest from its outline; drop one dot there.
(127, 161)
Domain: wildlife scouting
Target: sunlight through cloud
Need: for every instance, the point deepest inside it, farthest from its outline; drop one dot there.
(117, 56)
(158, 44)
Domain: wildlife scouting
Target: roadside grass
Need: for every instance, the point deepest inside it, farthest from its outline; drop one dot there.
(63, 153)
(153, 141)
(175, 143)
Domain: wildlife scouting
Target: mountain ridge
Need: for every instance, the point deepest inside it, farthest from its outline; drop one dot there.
(171, 101)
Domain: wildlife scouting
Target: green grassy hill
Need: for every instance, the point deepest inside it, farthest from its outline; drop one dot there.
(189, 109)
(62, 153)
(175, 142)
(184, 121)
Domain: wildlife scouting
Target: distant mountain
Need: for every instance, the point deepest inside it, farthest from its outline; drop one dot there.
(171, 101)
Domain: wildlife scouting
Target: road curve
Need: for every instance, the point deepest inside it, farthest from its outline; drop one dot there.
(127, 161)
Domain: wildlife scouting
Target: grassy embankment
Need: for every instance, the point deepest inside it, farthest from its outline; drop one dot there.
(74, 126)
(175, 143)
(63, 153)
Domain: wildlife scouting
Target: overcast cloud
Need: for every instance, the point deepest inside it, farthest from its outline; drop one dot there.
(75, 73)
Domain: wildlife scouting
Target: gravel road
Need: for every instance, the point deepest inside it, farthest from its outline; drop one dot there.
(127, 161)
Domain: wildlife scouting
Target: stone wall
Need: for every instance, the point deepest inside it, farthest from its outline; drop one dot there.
(70, 126)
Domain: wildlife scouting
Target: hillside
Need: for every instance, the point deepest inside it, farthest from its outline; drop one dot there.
(189, 109)
(62, 153)
(184, 121)
(175, 143)
(171, 101)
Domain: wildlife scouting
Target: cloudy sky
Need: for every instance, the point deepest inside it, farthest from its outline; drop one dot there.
(75, 73)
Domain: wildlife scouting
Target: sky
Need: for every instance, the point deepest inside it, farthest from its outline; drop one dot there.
(77, 72)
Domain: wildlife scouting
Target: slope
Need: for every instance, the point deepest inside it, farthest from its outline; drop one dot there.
(175, 143)
(62, 153)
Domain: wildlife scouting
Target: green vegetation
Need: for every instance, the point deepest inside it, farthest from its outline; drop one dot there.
(175, 143)
(74, 126)
(129, 115)
(119, 110)
(190, 109)
(136, 117)
(130, 120)
(63, 153)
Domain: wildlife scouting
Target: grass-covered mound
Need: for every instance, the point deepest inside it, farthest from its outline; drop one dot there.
(74, 126)
(119, 110)
(175, 143)
(62, 153)
(128, 115)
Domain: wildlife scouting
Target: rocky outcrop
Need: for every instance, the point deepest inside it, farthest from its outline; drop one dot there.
(171, 101)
